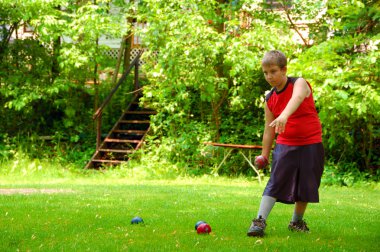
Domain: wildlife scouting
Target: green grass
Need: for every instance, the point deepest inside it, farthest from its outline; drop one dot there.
(94, 213)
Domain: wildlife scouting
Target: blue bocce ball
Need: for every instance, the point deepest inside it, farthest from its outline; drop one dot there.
(137, 220)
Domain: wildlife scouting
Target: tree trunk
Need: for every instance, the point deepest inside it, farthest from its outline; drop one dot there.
(95, 77)
(118, 63)
(55, 64)
(217, 104)
(127, 51)
(128, 45)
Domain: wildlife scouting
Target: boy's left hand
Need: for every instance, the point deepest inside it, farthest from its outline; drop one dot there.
(279, 124)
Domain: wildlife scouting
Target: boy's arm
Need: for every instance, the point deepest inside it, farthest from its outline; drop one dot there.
(301, 90)
(269, 133)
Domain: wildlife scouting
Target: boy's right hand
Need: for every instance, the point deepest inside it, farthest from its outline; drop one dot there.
(261, 162)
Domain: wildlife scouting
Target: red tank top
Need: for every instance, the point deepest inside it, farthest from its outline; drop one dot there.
(303, 126)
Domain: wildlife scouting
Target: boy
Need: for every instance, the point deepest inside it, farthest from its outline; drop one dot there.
(298, 157)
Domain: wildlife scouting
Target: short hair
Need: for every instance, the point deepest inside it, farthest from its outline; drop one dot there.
(274, 57)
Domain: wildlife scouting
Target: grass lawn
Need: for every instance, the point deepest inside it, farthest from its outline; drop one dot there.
(94, 214)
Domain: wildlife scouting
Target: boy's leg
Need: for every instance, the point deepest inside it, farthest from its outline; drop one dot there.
(299, 211)
(297, 223)
(266, 205)
(259, 224)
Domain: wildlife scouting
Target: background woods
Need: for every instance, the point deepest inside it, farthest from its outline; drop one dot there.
(201, 73)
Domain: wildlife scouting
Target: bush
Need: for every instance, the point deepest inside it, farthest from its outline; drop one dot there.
(345, 174)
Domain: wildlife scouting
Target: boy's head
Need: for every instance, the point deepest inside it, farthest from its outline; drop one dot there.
(274, 68)
(274, 57)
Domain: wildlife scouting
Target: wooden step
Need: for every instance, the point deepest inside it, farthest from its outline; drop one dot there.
(106, 161)
(117, 151)
(124, 138)
(141, 112)
(137, 132)
(114, 140)
(135, 121)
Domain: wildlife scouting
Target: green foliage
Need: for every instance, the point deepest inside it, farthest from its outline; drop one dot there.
(119, 102)
(347, 174)
(43, 90)
(25, 74)
(60, 148)
(6, 148)
(196, 61)
(185, 149)
(80, 52)
(207, 64)
(26, 65)
(345, 73)
(203, 70)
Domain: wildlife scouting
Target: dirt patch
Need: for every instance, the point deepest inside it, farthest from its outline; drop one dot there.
(28, 191)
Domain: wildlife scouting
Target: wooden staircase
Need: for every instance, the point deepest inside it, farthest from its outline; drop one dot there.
(126, 136)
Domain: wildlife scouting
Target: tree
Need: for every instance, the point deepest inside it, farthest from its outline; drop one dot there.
(49, 69)
(344, 65)
(207, 68)
(202, 67)
(206, 56)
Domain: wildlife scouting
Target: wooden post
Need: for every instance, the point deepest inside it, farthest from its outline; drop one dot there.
(119, 58)
(98, 131)
(137, 84)
(127, 50)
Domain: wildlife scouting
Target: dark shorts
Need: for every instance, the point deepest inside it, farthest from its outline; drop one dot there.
(296, 173)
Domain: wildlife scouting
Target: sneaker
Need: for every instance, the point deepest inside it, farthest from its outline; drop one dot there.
(257, 227)
(299, 226)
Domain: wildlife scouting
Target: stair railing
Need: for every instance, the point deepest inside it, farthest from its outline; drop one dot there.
(98, 114)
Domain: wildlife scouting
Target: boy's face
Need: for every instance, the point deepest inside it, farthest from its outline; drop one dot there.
(275, 75)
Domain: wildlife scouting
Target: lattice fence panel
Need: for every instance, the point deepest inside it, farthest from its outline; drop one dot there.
(134, 53)
(113, 53)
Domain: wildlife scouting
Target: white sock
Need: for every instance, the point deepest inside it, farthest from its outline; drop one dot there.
(266, 205)
(297, 217)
